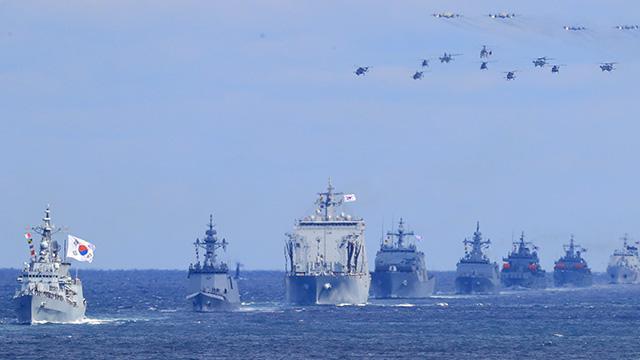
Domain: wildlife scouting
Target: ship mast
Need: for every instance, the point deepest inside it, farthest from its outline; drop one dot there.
(477, 244)
(326, 201)
(401, 234)
(210, 244)
(49, 248)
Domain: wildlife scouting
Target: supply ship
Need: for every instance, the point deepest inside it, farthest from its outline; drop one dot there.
(325, 255)
(624, 264)
(475, 273)
(521, 268)
(400, 269)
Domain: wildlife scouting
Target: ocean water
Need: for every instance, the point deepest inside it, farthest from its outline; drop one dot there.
(143, 315)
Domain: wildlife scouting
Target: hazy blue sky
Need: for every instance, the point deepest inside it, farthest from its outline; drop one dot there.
(136, 119)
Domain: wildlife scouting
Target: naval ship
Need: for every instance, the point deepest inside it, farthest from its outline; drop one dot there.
(624, 264)
(572, 269)
(475, 273)
(521, 268)
(325, 258)
(400, 270)
(211, 287)
(47, 291)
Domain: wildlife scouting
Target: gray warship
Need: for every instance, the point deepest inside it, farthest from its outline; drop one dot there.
(624, 264)
(325, 256)
(475, 273)
(47, 291)
(521, 268)
(400, 270)
(211, 287)
(572, 269)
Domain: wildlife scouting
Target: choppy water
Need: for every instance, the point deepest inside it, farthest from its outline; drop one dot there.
(143, 314)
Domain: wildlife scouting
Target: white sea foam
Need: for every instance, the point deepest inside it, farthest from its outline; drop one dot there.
(89, 321)
(404, 305)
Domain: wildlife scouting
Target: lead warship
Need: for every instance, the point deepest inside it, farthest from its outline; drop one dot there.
(572, 269)
(475, 273)
(521, 268)
(211, 287)
(47, 291)
(400, 270)
(624, 264)
(325, 256)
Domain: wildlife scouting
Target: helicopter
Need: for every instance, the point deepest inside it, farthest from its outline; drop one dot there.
(574, 28)
(485, 52)
(502, 15)
(607, 66)
(511, 75)
(362, 70)
(446, 15)
(446, 58)
(627, 27)
(418, 75)
(484, 65)
(541, 61)
(425, 62)
(555, 69)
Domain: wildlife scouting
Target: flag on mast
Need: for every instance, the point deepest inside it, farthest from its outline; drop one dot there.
(79, 249)
(349, 197)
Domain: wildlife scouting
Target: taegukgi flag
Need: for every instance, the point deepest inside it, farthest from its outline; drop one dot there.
(79, 249)
(349, 197)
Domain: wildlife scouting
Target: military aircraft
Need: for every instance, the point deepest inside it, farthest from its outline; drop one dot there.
(574, 28)
(425, 62)
(361, 70)
(555, 69)
(608, 66)
(511, 75)
(485, 52)
(541, 61)
(446, 58)
(446, 15)
(484, 65)
(418, 75)
(627, 27)
(502, 15)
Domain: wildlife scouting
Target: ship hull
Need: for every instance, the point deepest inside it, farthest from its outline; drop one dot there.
(210, 291)
(623, 275)
(38, 308)
(327, 289)
(564, 278)
(400, 285)
(204, 302)
(476, 285)
(524, 280)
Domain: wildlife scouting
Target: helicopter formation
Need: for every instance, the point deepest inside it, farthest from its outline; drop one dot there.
(486, 53)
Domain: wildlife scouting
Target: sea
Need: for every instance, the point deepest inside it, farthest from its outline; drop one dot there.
(143, 314)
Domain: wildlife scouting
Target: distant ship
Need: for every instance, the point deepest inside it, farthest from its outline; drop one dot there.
(325, 255)
(572, 269)
(521, 268)
(47, 292)
(400, 270)
(624, 264)
(475, 273)
(211, 287)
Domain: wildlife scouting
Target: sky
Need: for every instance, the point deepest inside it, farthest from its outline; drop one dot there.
(136, 120)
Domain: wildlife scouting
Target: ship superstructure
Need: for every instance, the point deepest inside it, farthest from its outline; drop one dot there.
(521, 268)
(211, 287)
(624, 264)
(400, 269)
(326, 262)
(572, 269)
(475, 273)
(47, 291)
